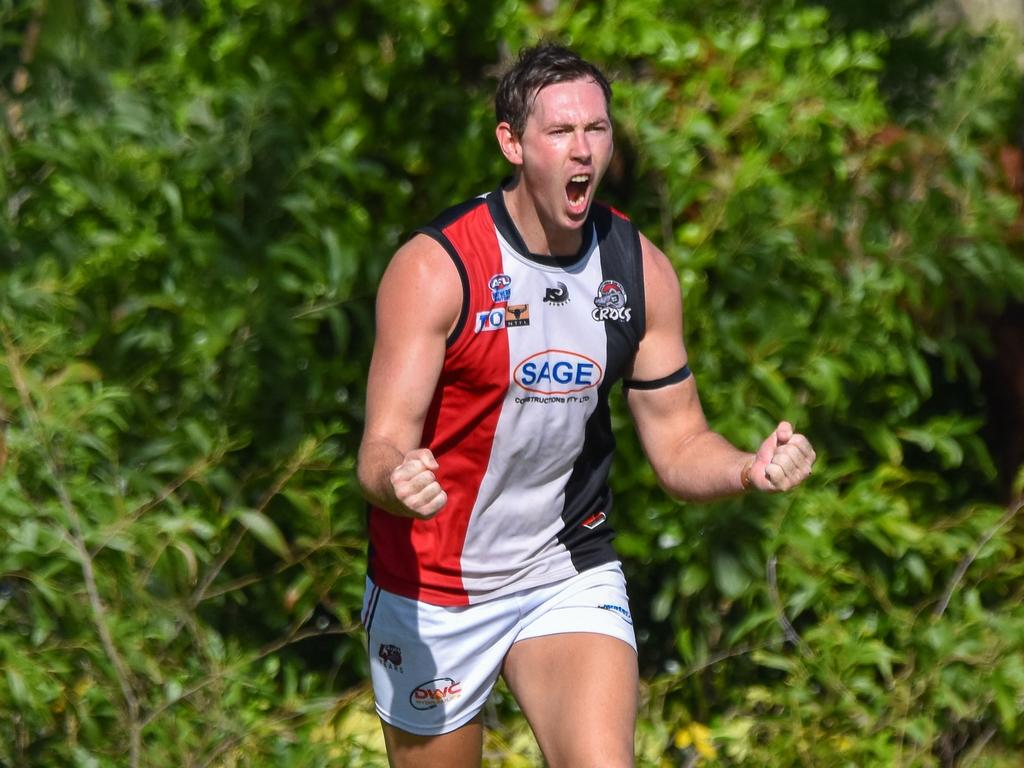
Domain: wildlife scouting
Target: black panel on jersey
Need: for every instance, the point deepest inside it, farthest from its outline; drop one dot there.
(587, 493)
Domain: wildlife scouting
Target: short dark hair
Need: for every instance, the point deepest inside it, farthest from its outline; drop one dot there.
(536, 67)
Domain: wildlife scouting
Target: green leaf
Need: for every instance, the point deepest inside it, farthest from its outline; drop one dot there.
(263, 528)
(730, 576)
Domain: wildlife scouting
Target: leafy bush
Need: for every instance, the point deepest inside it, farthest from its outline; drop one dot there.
(200, 199)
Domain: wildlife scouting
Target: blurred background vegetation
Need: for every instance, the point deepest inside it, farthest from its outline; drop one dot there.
(197, 200)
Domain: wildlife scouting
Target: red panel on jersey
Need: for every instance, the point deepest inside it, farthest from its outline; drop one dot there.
(421, 559)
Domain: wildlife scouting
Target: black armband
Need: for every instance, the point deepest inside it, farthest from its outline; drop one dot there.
(673, 378)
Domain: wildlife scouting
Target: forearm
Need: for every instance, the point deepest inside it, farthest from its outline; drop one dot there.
(404, 484)
(704, 467)
(377, 460)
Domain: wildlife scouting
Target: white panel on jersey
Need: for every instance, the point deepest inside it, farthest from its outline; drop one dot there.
(557, 360)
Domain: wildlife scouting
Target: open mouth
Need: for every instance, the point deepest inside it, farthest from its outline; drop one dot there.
(576, 192)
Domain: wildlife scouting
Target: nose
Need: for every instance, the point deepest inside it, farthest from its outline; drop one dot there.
(580, 145)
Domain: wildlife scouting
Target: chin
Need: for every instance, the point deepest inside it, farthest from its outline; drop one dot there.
(577, 220)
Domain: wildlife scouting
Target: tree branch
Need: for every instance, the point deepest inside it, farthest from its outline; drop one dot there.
(961, 570)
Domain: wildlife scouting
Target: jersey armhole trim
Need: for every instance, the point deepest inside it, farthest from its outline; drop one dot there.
(442, 239)
(642, 330)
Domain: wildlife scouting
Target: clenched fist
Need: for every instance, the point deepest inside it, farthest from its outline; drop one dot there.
(783, 461)
(415, 485)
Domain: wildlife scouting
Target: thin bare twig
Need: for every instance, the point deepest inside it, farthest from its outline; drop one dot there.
(165, 493)
(263, 653)
(961, 570)
(742, 650)
(19, 83)
(978, 747)
(297, 462)
(780, 613)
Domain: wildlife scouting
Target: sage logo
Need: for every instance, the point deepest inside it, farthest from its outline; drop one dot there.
(434, 693)
(557, 372)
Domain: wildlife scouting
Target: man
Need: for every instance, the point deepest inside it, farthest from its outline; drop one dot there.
(501, 328)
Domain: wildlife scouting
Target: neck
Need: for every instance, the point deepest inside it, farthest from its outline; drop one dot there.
(541, 237)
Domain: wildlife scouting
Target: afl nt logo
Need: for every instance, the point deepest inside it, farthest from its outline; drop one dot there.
(500, 286)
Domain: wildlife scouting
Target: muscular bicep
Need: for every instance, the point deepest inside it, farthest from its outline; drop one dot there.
(418, 303)
(669, 416)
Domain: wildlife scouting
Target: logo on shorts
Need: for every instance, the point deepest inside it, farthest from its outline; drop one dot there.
(500, 286)
(390, 656)
(517, 315)
(435, 693)
(610, 303)
(623, 612)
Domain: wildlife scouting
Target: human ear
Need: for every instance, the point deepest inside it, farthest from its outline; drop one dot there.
(509, 143)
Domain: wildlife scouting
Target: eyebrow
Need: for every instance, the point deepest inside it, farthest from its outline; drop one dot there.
(600, 122)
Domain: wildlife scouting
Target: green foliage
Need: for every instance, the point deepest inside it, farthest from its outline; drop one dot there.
(199, 199)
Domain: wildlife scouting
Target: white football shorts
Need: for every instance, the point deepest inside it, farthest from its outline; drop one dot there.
(433, 666)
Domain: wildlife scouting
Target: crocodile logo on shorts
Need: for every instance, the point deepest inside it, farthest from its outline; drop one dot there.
(390, 656)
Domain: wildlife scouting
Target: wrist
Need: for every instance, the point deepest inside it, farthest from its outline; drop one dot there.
(746, 480)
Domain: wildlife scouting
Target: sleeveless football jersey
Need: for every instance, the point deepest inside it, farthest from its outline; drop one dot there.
(519, 422)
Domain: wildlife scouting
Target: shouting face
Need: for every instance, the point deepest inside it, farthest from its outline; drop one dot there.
(561, 156)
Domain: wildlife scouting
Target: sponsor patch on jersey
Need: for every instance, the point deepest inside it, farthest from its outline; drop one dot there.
(557, 372)
(490, 320)
(435, 693)
(558, 295)
(517, 315)
(594, 520)
(610, 302)
(501, 287)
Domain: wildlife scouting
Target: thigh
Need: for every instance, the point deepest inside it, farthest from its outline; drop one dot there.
(578, 691)
(461, 748)
(573, 669)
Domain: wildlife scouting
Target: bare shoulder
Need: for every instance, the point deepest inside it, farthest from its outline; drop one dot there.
(420, 258)
(661, 285)
(421, 281)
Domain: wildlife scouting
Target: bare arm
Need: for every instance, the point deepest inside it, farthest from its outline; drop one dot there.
(418, 303)
(690, 460)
